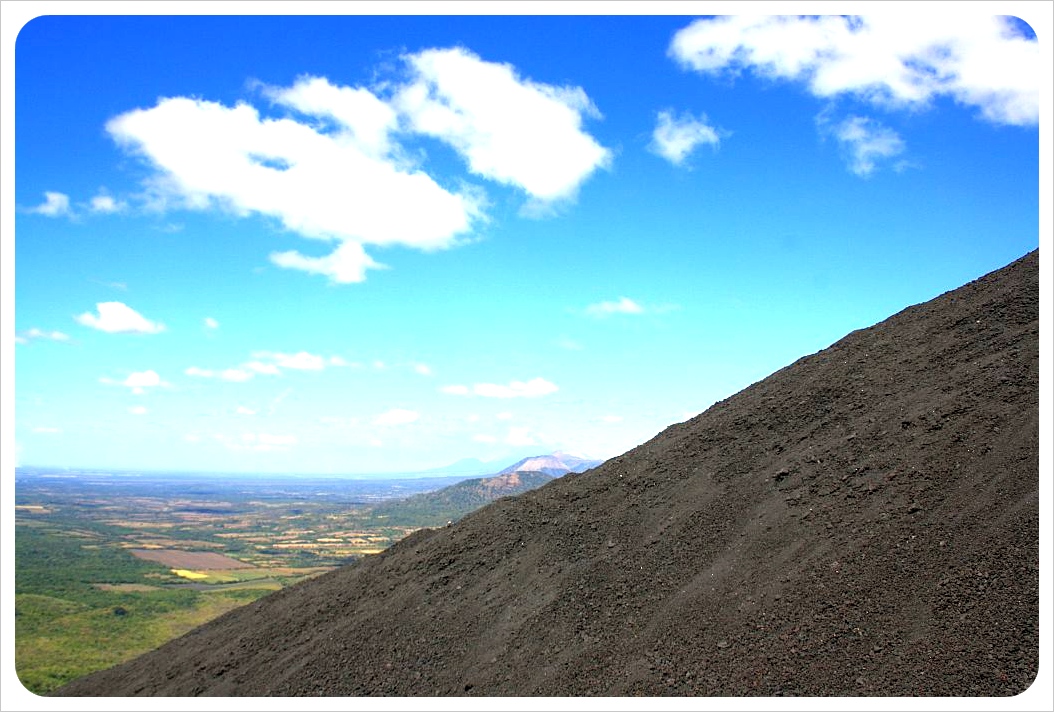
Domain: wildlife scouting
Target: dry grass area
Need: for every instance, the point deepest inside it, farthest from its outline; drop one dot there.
(192, 560)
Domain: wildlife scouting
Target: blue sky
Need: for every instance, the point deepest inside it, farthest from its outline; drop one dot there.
(382, 244)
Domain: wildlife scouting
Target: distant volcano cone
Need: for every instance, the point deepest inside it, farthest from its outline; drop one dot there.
(862, 522)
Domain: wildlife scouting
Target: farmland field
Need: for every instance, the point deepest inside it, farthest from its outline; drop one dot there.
(110, 565)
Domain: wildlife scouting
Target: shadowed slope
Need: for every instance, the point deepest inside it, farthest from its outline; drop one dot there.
(863, 521)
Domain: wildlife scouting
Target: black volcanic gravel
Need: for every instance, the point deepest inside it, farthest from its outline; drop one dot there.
(862, 522)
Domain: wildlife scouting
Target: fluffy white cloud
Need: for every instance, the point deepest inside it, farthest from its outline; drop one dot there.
(104, 203)
(138, 410)
(300, 361)
(334, 169)
(55, 205)
(509, 129)
(143, 379)
(242, 410)
(35, 334)
(347, 263)
(199, 372)
(329, 185)
(397, 416)
(211, 323)
(138, 381)
(977, 60)
(624, 305)
(269, 363)
(866, 142)
(119, 318)
(533, 388)
(266, 369)
(366, 119)
(675, 137)
(423, 369)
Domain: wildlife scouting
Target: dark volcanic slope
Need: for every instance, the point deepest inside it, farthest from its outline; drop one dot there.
(864, 521)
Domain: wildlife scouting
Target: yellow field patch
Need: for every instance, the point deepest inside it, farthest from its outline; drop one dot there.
(192, 575)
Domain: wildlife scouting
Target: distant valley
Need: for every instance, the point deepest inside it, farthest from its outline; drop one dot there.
(112, 564)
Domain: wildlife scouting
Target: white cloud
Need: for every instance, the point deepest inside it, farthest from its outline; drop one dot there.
(423, 369)
(269, 363)
(104, 203)
(55, 205)
(138, 381)
(211, 323)
(624, 305)
(866, 142)
(455, 390)
(675, 138)
(118, 318)
(977, 60)
(533, 388)
(367, 120)
(346, 264)
(329, 185)
(199, 372)
(143, 379)
(34, 334)
(504, 415)
(334, 169)
(266, 369)
(242, 410)
(300, 361)
(483, 438)
(44, 430)
(138, 410)
(509, 129)
(397, 416)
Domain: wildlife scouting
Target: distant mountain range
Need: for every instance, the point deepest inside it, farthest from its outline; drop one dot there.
(455, 501)
(451, 503)
(553, 464)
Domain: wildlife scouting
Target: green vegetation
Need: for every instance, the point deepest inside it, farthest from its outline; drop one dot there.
(84, 601)
(67, 626)
(435, 509)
